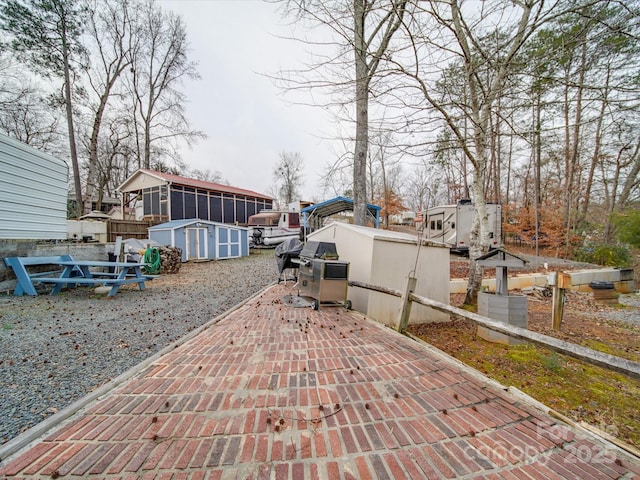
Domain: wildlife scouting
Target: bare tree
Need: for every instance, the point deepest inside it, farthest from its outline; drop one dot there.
(423, 187)
(160, 64)
(385, 172)
(207, 175)
(117, 152)
(111, 36)
(484, 69)
(24, 112)
(364, 31)
(287, 175)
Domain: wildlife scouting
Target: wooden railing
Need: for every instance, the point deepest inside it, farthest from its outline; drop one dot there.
(594, 357)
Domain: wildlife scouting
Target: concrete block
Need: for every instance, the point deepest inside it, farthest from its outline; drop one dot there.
(510, 309)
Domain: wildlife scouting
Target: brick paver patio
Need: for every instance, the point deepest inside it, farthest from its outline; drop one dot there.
(276, 392)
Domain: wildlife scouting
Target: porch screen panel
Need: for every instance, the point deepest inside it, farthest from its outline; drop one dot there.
(251, 208)
(189, 203)
(215, 208)
(146, 202)
(241, 215)
(177, 204)
(203, 205)
(228, 205)
(155, 201)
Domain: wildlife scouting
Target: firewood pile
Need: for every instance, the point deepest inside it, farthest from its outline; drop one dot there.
(170, 259)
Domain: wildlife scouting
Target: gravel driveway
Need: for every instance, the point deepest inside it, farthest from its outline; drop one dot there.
(56, 349)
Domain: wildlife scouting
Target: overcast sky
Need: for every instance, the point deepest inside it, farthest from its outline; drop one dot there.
(247, 118)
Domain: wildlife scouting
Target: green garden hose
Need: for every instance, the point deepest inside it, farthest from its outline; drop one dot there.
(153, 261)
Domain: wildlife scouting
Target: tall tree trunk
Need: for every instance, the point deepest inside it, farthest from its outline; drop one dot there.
(362, 117)
(70, 126)
(612, 200)
(632, 179)
(573, 152)
(537, 167)
(595, 157)
(93, 153)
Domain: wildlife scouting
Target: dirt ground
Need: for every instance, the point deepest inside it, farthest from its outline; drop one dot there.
(584, 319)
(592, 395)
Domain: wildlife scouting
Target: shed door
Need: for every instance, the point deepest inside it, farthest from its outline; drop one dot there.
(229, 243)
(197, 247)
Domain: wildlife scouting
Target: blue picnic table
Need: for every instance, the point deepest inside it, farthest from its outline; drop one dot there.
(124, 272)
(75, 272)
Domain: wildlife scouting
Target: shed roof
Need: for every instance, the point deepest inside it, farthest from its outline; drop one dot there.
(95, 215)
(384, 235)
(499, 257)
(128, 184)
(175, 224)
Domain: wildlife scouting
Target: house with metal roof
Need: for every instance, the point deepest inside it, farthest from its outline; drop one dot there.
(165, 197)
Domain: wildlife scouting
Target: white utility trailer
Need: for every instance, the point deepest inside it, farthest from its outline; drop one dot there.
(451, 225)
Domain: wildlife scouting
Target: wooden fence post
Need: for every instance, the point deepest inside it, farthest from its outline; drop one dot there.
(405, 309)
(561, 282)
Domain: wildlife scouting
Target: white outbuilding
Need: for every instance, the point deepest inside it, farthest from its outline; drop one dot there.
(386, 259)
(33, 193)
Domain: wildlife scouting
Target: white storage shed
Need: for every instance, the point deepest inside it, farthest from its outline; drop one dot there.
(385, 258)
(202, 239)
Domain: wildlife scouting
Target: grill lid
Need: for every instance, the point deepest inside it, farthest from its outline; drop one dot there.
(315, 249)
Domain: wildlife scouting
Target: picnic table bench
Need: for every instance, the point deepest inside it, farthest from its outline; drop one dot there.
(74, 272)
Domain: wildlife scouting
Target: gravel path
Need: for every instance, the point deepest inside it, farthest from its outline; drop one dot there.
(630, 314)
(56, 349)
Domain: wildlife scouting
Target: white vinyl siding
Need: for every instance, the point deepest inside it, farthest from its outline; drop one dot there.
(33, 193)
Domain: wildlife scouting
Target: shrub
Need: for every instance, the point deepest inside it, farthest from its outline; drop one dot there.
(606, 255)
(628, 225)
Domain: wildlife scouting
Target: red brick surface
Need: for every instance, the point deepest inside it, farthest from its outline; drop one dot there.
(272, 391)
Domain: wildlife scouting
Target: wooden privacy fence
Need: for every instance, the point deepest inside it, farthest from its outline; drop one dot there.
(594, 357)
(127, 229)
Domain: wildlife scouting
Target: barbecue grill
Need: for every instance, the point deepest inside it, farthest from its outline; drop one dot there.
(287, 254)
(322, 276)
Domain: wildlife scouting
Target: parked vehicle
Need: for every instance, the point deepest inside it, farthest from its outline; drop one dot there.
(271, 227)
(451, 225)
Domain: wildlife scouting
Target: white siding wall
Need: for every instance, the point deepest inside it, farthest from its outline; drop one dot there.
(385, 258)
(33, 193)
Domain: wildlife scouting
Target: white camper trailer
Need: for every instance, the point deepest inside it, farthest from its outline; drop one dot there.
(451, 225)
